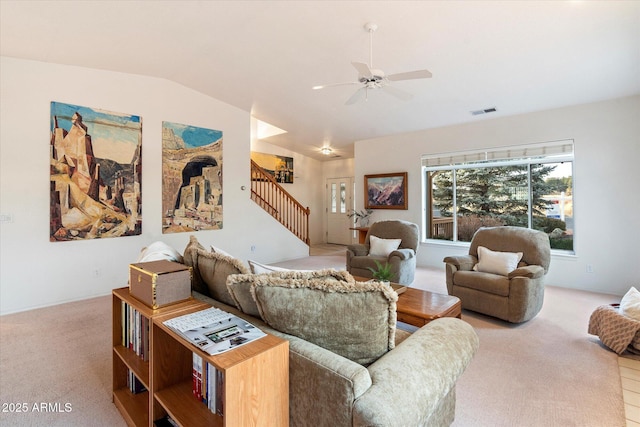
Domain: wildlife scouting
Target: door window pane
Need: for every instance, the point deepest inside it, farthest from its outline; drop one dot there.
(334, 196)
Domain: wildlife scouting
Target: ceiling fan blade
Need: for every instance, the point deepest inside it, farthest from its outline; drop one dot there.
(400, 94)
(334, 84)
(357, 96)
(410, 75)
(363, 69)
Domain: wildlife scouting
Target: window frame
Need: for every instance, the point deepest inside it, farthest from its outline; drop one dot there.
(538, 159)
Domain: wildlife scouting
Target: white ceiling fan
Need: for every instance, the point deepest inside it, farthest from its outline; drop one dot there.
(371, 78)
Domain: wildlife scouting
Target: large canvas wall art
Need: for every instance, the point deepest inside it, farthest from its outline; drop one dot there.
(280, 167)
(95, 173)
(191, 178)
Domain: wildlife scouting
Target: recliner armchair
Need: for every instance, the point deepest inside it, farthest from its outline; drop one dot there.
(516, 296)
(401, 260)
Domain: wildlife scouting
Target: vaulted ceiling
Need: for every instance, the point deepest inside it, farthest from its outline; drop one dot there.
(265, 56)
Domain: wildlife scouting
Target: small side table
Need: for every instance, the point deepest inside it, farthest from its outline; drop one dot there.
(362, 233)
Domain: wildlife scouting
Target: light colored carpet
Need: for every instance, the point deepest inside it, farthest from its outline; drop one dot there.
(546, 372)
(59, 356)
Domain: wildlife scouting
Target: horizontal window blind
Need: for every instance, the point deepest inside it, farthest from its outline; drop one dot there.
(530, 151)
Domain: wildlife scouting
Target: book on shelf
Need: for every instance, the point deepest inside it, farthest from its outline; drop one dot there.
(135, 331)
(165, 421)
(208, 384)
(214, 331)
(134, 384)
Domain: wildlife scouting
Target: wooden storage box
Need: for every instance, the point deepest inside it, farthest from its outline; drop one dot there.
(160, 283)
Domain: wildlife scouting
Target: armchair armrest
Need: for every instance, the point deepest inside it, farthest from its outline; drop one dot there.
(462, 262)
(529, 271)
(417, 374)
(403, 253)
(358, 249)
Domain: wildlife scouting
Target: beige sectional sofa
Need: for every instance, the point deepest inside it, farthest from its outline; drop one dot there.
(402, 379)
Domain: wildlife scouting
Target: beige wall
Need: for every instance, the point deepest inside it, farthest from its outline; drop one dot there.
(606, 177)
(35, 272)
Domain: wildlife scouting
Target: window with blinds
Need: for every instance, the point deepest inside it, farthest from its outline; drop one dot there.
(525, 186)
(545, 150)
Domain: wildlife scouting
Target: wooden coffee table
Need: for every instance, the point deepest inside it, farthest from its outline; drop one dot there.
(417, 307)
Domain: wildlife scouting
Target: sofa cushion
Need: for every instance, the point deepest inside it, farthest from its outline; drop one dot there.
(485, 282)
(356, 320)
(365, 262)
(382, 247)
(495, 262)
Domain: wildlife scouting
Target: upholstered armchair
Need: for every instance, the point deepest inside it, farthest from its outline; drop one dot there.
(394, 242)
(503, 274)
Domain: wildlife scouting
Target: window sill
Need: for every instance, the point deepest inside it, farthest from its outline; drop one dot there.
(555, 253)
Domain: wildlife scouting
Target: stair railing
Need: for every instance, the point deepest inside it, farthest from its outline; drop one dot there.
(275, 200)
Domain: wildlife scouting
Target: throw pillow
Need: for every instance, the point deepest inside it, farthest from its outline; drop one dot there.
(210, 270)
(220, 251)
(214, 269)
(501, 263)
(356, 320)
(159, 251)
(257, 268)
(239, 285)
(630, 304)
(190, 258)
(382, 247)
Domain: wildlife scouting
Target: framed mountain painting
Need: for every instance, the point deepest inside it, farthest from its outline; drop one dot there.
(385, 191)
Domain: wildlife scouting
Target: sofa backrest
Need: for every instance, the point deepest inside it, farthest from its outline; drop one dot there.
(533, 244)
(211, 269)
(396, 229)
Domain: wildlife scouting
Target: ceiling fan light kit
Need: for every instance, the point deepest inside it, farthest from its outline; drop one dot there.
(370, 78)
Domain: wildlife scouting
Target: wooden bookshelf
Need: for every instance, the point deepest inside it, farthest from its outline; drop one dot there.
(255, 386)
(135, 408)
(256, 376)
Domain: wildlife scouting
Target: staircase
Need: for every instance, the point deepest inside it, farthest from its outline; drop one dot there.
(274, 199)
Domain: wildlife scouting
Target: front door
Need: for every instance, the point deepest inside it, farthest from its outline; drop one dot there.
(339, 204)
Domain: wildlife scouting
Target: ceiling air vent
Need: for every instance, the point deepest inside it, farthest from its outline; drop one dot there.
(485, 111)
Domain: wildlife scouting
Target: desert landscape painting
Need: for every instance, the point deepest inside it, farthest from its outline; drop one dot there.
(279, 167)
(191, 178)
(95, 173)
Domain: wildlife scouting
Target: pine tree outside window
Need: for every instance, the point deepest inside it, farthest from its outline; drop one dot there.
(525, 186)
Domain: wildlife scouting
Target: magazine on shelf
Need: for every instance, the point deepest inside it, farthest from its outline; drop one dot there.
(214, 331)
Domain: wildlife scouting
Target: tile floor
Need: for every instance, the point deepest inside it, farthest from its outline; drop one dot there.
(630, 377)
